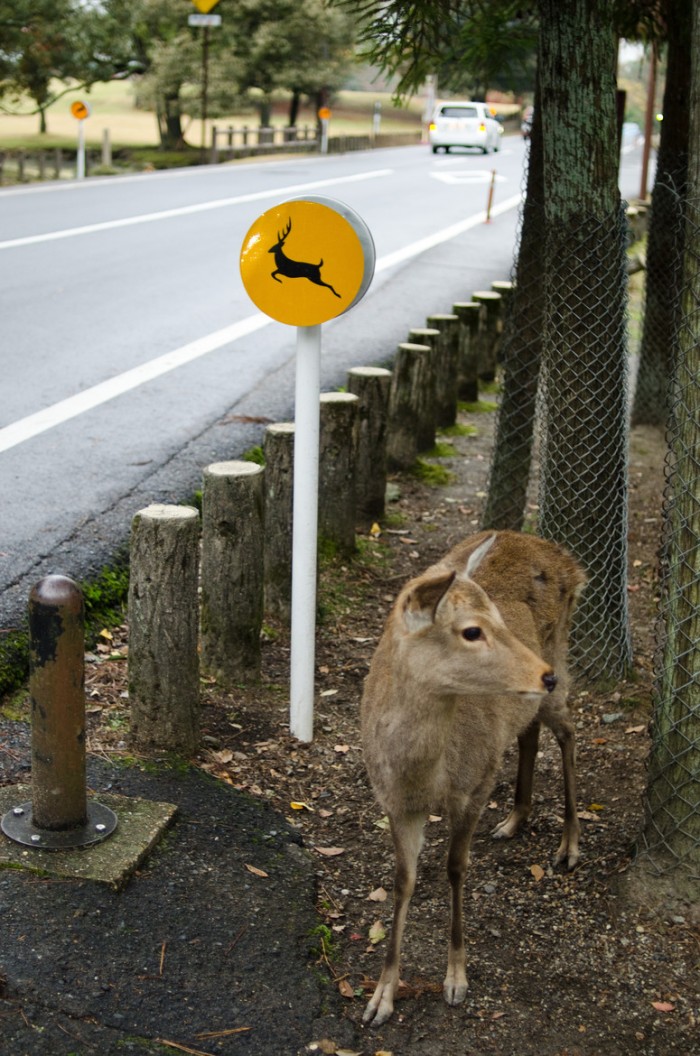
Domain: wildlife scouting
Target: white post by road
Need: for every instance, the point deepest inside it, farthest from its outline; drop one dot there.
(305, 532)
(80, 158)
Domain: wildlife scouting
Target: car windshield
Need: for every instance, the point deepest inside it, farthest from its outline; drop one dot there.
(458, 111)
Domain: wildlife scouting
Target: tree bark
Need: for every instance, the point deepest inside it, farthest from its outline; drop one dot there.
(672, 832)
(163, 627)
(666, 230)
(489, 333)
(521, 354)
(232, 570)
(583, 487)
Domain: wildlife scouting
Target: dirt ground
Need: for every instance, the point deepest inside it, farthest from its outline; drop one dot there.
(559, 964)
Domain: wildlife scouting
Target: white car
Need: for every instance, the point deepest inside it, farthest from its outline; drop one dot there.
(464, 124)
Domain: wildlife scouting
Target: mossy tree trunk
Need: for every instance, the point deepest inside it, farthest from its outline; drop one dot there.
(666, 230)
(583, 389)
(673, 794)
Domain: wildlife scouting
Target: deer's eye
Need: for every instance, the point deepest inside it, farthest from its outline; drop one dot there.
(471, 634)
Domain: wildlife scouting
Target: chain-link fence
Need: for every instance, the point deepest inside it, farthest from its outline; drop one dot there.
(671, 838)
(564, 401)
(662, 304)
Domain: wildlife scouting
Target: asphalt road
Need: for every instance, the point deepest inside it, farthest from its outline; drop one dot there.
(132, 356)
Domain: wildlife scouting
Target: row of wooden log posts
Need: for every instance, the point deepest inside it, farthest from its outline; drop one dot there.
(195, 607)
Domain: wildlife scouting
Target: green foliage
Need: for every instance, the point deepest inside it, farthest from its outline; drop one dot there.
(459, 430)
(431, 473)
(254, 454)
(471, 46)
(442, 450)
(105, 596)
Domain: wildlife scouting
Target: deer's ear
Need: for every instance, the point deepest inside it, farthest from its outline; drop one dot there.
(420, 604)
(478, 555)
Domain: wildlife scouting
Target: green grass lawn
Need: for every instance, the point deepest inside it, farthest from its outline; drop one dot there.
(113, 108)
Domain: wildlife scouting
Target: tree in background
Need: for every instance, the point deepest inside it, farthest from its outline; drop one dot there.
(665, 243)
(50, 41)
(671, 839)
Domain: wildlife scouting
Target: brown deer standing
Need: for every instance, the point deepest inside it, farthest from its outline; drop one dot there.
(295, 269)
(468, 653)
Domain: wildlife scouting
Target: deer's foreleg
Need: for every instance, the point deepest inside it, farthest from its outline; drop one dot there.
(407, 832)
(454, 987)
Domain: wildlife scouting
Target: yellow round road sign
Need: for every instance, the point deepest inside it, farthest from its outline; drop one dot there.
(324, 113)
(80, 109)
(306, 261)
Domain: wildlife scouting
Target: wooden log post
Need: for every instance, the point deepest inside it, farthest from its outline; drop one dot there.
(446, 368)
(468, 314)
(371, 386)
(426, 427)
(411, 405)
(163, 629)
(232, 570)
(338, 439)
(506, 290)
(490, 328)
(278, 447)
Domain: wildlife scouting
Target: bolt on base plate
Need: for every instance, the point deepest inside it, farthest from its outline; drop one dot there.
(17, 824)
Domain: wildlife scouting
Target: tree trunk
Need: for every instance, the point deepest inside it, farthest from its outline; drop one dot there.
(521, 354)
(583, 488)
(666, 231)
(446, 368)
(163, 629)
(672, 833)
(469, 315)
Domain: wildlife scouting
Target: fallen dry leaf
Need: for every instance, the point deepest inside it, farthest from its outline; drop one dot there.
(345, 988)
(663, 1006)
(255, 871)
(378, 895)
(538, 872)
(300, 805)
(330, 852)
(341, 748)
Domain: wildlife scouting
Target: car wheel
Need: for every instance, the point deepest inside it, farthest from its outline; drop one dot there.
(485, 150)
(435, 150)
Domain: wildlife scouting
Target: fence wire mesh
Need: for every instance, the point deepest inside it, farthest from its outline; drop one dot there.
(662, 302)
(671, 837)
(571, 422)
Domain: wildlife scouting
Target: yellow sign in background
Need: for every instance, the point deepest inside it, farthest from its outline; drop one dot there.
(205, 6)
(80, 109)
(302, 263)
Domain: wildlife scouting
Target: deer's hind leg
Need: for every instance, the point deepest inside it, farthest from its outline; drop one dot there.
(407, 832)
(522, 803)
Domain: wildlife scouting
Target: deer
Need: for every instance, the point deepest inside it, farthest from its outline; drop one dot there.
(295, 269)
(472, 655)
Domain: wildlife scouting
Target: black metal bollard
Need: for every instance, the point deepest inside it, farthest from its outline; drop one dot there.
(59, 815)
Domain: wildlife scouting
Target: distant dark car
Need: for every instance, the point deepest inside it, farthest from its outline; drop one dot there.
(526, 126)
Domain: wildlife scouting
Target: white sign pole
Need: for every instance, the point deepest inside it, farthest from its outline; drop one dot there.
(80, 158)
(305, 531)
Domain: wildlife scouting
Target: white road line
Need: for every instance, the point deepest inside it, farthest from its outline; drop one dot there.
(199, 207)
(25, 428)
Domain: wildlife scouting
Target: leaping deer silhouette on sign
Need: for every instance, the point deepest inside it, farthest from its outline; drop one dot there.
(295, 269)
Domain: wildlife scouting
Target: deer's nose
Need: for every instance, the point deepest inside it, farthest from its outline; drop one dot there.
(550, 681)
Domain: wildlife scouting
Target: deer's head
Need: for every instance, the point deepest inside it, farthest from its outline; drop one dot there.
(281, 238)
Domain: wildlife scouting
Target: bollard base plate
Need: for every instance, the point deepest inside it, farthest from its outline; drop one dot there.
(17, 824)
